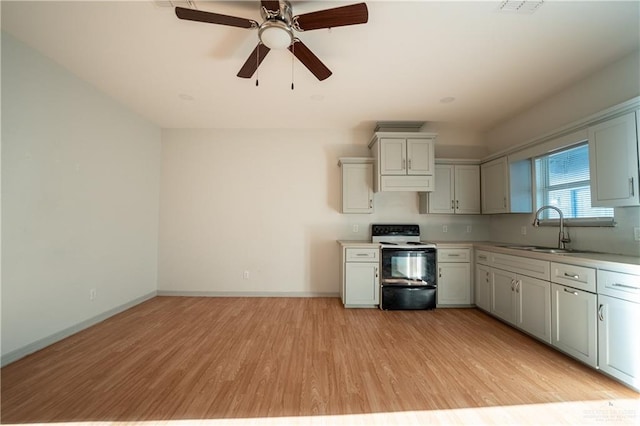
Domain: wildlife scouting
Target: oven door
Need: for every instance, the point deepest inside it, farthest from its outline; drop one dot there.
(408, 267)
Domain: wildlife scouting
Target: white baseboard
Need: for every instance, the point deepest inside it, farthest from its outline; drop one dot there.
(244, 294)
(56, 337)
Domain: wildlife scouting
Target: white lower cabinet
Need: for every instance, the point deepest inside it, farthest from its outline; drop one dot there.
(503, 301)
(483, 287)
(619, 326)
(454, 277)
(573, 322)
(522, 301)
(533, 307)
(619, 339)
(362, 286)
(360, 277)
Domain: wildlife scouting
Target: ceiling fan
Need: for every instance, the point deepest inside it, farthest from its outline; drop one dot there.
(277, 30)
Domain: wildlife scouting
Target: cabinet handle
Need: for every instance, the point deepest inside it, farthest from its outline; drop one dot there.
(439, 272)
(370, 203)
(632, 189)
(362, 254)
(482, 257)
(404, 163)
(452, 207)
(513, 283)
(376, 271)
(625, 286)
(600, 315)
(518, 286)
(574, 276)
(457, 205)
(504, 202)
(409, 163)
(575, 293)
(453, 255)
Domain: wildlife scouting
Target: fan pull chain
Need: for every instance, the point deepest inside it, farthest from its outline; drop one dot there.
(293, 49)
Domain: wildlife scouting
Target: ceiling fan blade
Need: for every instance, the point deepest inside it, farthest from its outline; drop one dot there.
(214, 18)
(272, 5)
(336, 17)
(309, 60)
(253, 61)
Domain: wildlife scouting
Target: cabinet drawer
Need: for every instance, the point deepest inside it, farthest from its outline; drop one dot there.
(483, 257)
(617, 284)
(454, 255)
(574, 276)
(362, 254)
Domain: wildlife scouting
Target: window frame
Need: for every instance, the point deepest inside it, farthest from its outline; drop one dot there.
(541, 192)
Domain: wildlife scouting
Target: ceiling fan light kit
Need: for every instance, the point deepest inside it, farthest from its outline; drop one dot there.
(277, 30)
(275, 35)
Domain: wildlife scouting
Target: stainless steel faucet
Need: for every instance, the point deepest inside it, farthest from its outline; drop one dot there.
(562, 238)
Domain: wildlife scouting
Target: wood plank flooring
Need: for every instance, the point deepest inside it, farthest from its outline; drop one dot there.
(181, 358)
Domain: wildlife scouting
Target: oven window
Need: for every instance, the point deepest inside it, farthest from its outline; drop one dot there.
(409, 264)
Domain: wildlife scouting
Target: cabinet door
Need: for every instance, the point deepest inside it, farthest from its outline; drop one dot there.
(441, 199)
(533, 307)
(483, 287)
(494, 179)
(573, 322)
(420, 159)
(619, 339)
(393, 156)
(613, 162)
(467, 189)
(454, 284)
(362, 284)
(503, 294)
(357, 188)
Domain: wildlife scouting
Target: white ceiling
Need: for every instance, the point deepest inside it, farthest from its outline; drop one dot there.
(398, 66)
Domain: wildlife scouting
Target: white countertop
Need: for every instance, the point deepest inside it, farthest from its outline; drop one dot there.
(613, 262)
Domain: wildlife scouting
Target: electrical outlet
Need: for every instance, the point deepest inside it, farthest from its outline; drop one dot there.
(523, 230)
(468, 229)
(245, 275)
(354, 228)
(444, 228)
(92, 294)
(636, 234)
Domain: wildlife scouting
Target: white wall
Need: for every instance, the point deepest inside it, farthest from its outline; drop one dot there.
(614, 84)
(80, 188)
(268, 202)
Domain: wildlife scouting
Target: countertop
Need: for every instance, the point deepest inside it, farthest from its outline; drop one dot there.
(612, 262)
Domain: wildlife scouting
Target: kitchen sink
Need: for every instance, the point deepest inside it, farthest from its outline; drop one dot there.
(539, 249)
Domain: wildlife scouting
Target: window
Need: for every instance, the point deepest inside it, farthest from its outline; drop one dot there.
(562, 181)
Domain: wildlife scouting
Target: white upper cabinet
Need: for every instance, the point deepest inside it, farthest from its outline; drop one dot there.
(420, 157)
(495, 178)
(458, 189)
(506, 187)
(403, 161)
(613, 161)
(357, 185)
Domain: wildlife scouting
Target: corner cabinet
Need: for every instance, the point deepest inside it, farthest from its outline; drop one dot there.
(403, 161)
(360, 276)
(613, 158)
(357, 184)
(506, 187)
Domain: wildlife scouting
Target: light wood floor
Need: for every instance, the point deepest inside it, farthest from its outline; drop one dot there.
(174, 358)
